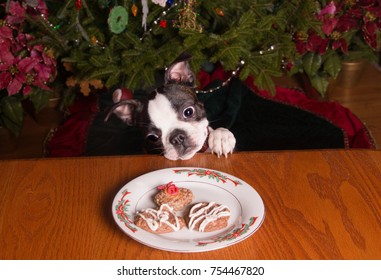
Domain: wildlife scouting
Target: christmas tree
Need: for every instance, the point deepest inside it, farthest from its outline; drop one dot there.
(125, 43)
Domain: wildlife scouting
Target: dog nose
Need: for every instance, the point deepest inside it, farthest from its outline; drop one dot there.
(177, 139)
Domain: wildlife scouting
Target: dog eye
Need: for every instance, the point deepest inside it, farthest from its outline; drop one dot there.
(188, 112)
(152, 137)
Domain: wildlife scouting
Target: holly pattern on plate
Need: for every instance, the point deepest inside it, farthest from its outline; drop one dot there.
(214, 175)
(235, 233)
(121, 209)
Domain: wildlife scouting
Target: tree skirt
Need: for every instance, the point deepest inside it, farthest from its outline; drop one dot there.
(289, 120)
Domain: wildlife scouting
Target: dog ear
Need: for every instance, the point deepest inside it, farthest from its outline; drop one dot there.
(180, 72)
(125, 109)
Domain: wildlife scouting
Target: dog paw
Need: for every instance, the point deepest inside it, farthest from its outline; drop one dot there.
(221, 141)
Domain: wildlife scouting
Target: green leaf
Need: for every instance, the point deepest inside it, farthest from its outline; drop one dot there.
(12, 114)
(40, 99)
(332, 65)
(319, 83)
(312, 63)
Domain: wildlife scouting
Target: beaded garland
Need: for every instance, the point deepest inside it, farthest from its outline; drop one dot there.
(227, 81)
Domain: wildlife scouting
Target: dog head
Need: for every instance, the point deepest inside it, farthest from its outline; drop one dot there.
(171, 118)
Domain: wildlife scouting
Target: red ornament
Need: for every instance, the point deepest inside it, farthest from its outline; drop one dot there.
(78, 4)
(163, 23)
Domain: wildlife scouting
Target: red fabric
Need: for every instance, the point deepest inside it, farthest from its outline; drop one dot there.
(69, 139)
(357, 135)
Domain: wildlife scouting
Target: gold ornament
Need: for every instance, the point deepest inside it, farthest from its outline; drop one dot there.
(134, 10)
(94, 40)
(219, 12)
(187, 18)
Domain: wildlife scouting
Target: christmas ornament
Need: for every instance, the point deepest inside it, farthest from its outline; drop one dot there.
(145, 14)
(219, 12)
(134, 9)
(159, 2)
(118, 19)
(78, 4)
(157, 20)
(163, 23)
(94, 40)
(187, 18)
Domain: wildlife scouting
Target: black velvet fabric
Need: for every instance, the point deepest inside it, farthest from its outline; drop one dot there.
(112, 137)
(263, 124)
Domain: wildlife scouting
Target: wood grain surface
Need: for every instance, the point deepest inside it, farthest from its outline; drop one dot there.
(319, 205)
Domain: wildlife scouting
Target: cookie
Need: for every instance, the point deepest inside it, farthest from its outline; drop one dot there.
(207, 217)
(174, 196)
(162, 220)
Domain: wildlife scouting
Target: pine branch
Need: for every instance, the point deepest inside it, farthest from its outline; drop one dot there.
(44, 25)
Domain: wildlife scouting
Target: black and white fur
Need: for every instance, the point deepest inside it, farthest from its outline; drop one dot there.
(172, 119)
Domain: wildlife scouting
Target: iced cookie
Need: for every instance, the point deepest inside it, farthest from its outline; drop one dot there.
(208, 217)
(162, 220)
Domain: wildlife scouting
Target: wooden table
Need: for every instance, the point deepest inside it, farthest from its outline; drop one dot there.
(319, 205)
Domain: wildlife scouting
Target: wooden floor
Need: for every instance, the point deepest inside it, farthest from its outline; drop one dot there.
(364, 100)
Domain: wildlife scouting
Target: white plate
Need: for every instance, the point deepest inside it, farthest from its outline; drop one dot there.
(246, 206)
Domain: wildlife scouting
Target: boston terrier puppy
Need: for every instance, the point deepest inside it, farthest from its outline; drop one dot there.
(172, 119)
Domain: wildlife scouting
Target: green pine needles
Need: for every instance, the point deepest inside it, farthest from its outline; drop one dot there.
(258, 32)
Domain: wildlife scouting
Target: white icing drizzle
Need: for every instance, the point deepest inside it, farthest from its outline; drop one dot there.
(157, 217)
(207, 213)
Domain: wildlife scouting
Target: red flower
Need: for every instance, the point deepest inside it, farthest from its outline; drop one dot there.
(317, 44)
(172, 190)
(169, 188)
(339, 42)
(327, 16)
(16, 13)
(372, 24)
(330, 9)
(361, 18)
(347, 22)
(300, 42)
(22, 65)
